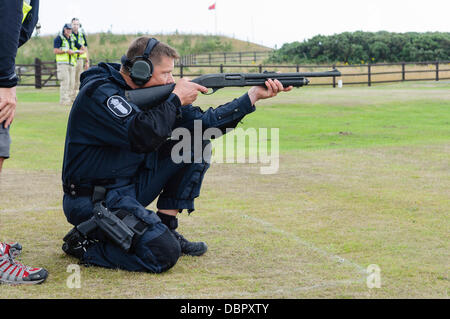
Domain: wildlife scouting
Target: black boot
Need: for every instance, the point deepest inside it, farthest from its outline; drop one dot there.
(75, 244)
(187, 247)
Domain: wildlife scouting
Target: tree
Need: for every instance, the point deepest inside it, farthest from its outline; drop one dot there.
(354, 47)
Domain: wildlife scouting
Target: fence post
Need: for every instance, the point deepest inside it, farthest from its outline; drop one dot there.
(334, 78)
(221, 68)
(369, 77)
(254, 57)
(403, 71)
(181, 70)
(437, 70)
(37, 73)
(260, 68)
(240, 57)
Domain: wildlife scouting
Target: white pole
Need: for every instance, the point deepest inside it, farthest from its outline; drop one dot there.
(216, 17)
(253, 31)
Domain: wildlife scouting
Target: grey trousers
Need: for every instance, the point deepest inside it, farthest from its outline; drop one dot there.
(5, 141)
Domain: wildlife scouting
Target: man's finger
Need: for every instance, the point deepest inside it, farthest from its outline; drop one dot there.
(4, 118)
(274, 87)
(201, 88)
(10, 119)
(2, 105)
(269, 88)
(4, 114)
(279, 85)
(288, 89)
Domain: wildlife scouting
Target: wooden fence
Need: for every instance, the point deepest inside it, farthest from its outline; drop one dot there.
(43, 74)
(40, 74)
(225, 58)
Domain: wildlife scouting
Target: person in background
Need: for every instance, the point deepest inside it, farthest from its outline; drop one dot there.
(82, 59)
(66, 50)
(17, 21)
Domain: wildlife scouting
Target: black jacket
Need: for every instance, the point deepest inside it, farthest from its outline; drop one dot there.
(109, 137)
(13, 34)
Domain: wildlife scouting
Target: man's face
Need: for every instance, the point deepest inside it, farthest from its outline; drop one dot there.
(75, 25)
(67, 32)
(162, 73)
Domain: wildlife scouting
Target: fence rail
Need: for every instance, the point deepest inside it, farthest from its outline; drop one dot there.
(225, 58)
(44, 74)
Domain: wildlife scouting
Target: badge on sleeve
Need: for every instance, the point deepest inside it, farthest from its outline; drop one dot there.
(119, 106)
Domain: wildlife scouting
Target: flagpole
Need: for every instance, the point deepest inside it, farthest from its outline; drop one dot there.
(214, 7)
(216, 15)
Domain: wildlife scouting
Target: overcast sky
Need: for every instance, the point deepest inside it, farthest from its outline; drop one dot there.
(267, 22)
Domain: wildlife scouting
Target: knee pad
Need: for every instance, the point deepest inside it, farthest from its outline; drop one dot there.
(165, 250)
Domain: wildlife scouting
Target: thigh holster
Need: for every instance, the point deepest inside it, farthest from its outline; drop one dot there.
(122, 228)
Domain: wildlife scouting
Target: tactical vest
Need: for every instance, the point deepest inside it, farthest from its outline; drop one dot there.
(66, 57)
(81, 42)
(25, 9)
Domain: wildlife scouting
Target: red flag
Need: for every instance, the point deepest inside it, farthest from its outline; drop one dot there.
(212, 7)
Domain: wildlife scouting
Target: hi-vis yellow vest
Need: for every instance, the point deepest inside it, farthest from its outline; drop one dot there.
(81, 42)
(25, 9)
(66, 57)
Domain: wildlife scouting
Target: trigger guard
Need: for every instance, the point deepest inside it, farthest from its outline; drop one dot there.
(213, 91)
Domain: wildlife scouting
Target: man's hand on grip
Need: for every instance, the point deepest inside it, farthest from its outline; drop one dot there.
(187, 91)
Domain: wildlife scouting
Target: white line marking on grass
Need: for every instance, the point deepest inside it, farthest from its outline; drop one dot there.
(361, 270)
(29, 209)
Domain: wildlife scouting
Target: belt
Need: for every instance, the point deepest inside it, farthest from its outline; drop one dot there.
(75, 190)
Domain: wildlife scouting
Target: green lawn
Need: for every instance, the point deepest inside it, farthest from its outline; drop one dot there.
(336, 119)
(364, 178)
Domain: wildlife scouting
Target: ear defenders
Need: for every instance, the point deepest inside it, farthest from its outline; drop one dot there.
(141, 67)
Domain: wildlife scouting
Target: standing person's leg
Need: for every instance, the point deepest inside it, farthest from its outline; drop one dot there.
(5, 142)
(63, 71)
(71, 91)
(78, 70)
(14, 272)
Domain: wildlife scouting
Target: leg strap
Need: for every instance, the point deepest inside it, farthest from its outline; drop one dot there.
(120, 227)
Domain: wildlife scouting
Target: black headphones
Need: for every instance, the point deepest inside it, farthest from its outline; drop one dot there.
(141, 67)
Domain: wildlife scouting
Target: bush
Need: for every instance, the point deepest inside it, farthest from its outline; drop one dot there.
(354, 47)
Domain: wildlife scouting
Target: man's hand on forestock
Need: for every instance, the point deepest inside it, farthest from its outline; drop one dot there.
(187, 91)
(8, 102)
(273, 87)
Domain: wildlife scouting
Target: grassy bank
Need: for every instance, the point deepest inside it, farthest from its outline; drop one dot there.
(110, 47)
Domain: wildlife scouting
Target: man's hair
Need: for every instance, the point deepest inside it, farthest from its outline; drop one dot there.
(138, 46)
(75, 19)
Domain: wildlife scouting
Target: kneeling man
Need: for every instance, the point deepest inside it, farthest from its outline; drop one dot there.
(117, 161)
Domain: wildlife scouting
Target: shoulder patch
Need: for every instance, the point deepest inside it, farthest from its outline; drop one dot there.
(119, 106)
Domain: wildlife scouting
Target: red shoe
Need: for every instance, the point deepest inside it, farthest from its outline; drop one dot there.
(13, 272)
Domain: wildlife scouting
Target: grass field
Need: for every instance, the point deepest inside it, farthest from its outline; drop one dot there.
(364, 179)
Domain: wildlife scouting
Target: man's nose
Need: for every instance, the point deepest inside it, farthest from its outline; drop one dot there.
(170, 79)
